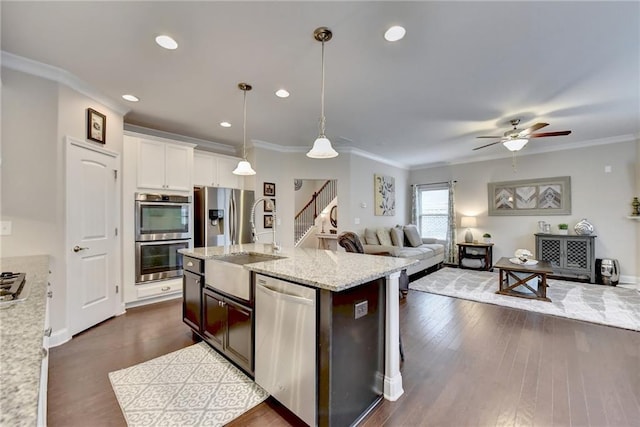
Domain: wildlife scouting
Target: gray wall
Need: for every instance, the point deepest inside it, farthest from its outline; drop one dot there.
(36, 116)
(603, 198)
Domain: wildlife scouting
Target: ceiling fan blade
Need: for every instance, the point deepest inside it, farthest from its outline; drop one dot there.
(489, 136)
(488, 145)
(532, 129)
(542, 135)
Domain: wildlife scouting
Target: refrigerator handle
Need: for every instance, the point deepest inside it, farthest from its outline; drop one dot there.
(232, 219)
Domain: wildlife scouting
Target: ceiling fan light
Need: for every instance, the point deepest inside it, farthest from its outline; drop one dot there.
(244, 168)
(515, 144)
(322, 149)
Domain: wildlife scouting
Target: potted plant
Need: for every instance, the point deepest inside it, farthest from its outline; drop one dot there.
(563, 228)
(486, 237)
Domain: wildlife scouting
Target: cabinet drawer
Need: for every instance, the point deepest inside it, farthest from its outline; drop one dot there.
(193, 265)
(160, 288)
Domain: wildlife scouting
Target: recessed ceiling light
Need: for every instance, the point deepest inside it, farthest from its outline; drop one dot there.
(166, 42)
(131, 98)
(225, 124)
(282, 93)
(395, 33)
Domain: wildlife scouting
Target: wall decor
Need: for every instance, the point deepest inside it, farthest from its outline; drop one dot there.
(269, 189)
(385, 195)
(543, 196)
(96, 126)
(269, 205)
(333, 216)
(268, 221)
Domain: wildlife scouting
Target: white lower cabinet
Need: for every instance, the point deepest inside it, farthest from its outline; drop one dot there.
(44, 367)
(158, 289)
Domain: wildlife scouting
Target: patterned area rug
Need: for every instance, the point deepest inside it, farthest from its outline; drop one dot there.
(189, 387)
(607, 305)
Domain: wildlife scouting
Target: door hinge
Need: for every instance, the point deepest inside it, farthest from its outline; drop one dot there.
(116, 231)
(117, 289)
(115, 174)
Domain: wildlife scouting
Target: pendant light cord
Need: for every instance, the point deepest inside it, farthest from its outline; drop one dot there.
(322, 120)
(244, 128)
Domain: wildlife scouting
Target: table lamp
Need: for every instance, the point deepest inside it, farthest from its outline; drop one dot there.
(468, 222)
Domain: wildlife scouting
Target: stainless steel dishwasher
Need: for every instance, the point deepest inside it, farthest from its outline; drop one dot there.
(285, 344)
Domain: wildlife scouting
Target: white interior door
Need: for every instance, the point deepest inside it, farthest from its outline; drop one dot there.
(92, 215)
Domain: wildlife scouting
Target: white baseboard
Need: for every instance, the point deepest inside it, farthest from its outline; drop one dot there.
(630, 282)
(59, 337)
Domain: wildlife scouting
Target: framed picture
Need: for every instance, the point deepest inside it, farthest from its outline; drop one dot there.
(269, 205)
(96, 126)
(544, 196)
(384, 195)
(269, 189)
(268, 221)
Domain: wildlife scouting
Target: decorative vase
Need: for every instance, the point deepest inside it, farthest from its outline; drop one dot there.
(563, 232)
(487, 239)
(583, 228)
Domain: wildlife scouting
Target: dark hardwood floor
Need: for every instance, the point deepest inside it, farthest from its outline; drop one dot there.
(467, 363)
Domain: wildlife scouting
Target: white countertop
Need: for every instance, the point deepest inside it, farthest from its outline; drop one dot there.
(21, 337)
(334, 271)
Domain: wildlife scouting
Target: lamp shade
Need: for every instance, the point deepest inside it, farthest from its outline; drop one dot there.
(322, 149)
(515, 144)
(468, 221)
(244, 168)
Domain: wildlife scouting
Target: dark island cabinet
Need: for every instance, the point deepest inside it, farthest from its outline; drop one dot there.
(228, 327)
(192, 284)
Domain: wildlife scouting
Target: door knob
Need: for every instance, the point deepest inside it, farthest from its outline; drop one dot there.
(77, 248)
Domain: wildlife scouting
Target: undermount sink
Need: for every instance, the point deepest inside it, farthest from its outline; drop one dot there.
(247, 258)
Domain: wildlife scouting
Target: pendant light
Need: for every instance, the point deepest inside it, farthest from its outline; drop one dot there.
(244, 167)
(322, 148)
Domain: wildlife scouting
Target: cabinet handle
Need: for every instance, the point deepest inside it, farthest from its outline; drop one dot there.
(45, 352)
(47, 332)
(189, 264)
(165, 288)
(50, 294)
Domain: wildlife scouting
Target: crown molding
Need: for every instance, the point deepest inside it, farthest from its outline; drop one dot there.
(341, 149)
(530, 152)
(49, 72)
(200, 143)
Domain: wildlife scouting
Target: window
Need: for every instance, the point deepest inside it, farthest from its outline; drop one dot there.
(432, 210)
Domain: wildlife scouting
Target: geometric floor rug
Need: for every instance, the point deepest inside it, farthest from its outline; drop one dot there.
(193, 386)
(606, 305)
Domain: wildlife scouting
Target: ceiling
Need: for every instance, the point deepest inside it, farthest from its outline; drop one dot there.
(464, 69)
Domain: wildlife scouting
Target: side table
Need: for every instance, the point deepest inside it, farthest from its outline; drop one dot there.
(476, 251)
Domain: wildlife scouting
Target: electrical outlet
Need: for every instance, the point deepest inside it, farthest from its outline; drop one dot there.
(361, 309)
(5, 228)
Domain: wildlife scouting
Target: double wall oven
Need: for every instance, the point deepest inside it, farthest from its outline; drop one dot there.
(162, 226)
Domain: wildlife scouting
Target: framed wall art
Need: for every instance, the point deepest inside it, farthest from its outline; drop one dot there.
(96, 126)
(269, 189)
(544, 196)
(268, 221)
(269, 205)
(384, 195)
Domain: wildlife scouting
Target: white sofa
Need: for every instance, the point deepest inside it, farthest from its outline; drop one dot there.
(403, 242)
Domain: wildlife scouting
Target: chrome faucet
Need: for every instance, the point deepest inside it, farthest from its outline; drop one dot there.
(255, 235)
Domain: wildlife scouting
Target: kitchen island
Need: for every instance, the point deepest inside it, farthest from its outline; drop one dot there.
(357, 314)
(23, 346)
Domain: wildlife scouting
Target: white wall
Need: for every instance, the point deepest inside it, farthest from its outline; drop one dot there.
(36, 115)
(603, 198)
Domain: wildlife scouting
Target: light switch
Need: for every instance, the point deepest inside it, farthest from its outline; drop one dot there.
(356, 221)
(5, 228)
(607, 169)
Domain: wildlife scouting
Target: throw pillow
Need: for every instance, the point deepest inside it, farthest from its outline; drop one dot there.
(383, 236)
(413, 237)
(370, 237)
(397, 236)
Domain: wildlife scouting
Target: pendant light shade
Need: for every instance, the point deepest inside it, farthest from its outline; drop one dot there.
(244, 167)
(322, 148)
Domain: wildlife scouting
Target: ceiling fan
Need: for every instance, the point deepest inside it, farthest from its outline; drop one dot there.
(516, 139)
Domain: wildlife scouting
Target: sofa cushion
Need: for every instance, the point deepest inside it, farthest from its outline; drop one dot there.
(437, 248)
(370, 237)
(413, 237)
(415, 253)
(383, 236)
(397, 236)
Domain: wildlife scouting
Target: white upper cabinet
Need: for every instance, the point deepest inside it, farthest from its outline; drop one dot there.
(164, 166)
(215, 171)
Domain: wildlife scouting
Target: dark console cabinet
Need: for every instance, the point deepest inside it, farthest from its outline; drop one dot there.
(571, 256)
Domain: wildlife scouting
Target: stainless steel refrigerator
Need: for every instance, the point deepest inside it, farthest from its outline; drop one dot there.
(221, 216)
